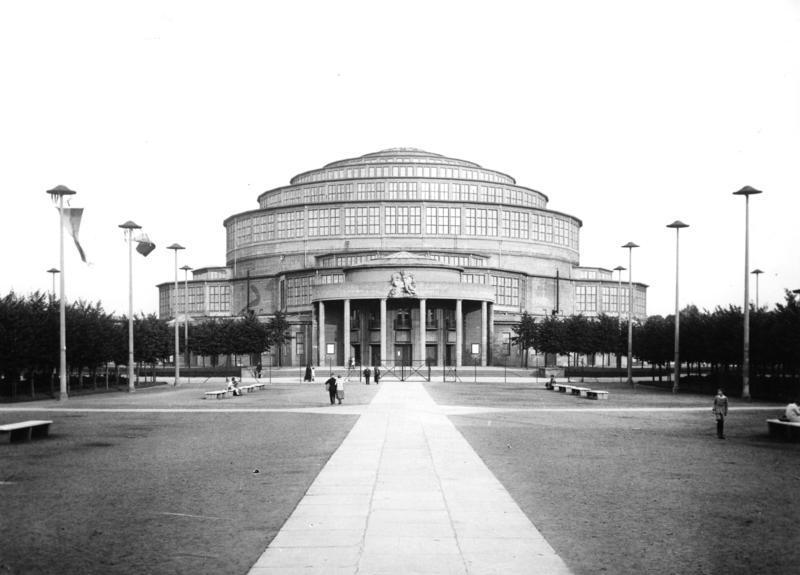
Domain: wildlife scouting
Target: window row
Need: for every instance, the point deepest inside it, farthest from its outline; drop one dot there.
(203, 299)
(403, 220)
(613, 300)
(402, 190)
(339, 261)
(403, 171)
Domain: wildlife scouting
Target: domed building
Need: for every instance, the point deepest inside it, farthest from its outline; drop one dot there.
(402, 257)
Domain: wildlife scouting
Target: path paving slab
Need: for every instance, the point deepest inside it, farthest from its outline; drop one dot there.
(406, 494)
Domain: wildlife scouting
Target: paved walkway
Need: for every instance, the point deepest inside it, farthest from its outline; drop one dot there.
(403, 494)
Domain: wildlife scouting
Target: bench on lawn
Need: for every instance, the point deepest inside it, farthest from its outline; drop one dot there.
(580, 391)
(220, 393)
(562, 387)
(784, 429)
(25, 430)
(596, 394)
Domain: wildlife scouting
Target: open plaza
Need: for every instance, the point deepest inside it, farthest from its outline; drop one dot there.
(494, 474)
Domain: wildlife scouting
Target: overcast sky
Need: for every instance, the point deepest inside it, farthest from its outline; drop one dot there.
(626, 114)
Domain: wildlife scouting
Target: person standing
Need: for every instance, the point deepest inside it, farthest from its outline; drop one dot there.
(330, 385)
(258, 370)
(377, 375)
(720, 411)
(340, 388)
(307, 375)
(367, 374)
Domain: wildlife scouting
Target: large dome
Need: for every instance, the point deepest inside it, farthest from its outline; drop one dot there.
(401, 157)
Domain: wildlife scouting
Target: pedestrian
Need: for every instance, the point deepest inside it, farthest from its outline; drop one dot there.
(258, 370)
(233, 387)
(330, 385)
(720, 411)
(377, 375)
(340, 388)
(367, 374)
(552, 383)
(307, 376)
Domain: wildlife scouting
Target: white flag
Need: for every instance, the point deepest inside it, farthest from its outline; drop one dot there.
(72, 223)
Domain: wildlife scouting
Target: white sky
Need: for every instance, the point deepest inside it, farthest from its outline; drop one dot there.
(627, 114)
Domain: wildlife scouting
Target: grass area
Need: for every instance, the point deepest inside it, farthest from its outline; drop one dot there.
(647, 491)
(624, 486)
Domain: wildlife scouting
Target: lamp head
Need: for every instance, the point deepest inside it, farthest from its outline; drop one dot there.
(620, 268)
(176, 247)
(186, 268)
(53, 271)
(129, 225)
(61, 191)
(677, 224)
(757, 271)
(747, 191)
(630, 245)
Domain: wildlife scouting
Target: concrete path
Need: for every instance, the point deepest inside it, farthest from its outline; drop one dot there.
(403, 494)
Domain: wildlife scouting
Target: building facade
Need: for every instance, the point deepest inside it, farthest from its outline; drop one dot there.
(402, 257)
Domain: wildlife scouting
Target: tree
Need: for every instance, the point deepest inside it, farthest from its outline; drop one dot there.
(278, 330)
(525, 337)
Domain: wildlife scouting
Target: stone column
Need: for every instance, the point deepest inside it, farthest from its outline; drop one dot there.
(489, 351)
(484, 333)
(346, 326)
(383, 357)
(459, 333)
(321, 333)
(422, 330)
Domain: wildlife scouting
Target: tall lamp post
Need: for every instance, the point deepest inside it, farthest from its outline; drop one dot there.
(186, 312)
(630, 246)
(676, 368)
(175, 248)
(58, 194)
(53, 272)
(619, 270)
(757, 272)
(129, 226)
(746, 191)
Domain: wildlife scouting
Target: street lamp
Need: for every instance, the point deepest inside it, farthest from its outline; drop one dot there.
(175, 248)
(129, 226)
(186, 312)
(757, 273)
(676, 368)
(746, 191)
(630, 246)
(619, 269)
(53, 272)
(58, 193)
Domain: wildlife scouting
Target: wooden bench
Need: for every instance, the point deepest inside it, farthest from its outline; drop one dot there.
(25, 430)
(580, 391)
(220, 393)
(596, 394)
(784, 429)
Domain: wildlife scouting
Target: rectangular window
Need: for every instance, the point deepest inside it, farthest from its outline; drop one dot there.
(506, 290)
(300, 342)
(442, 221)
(298, 291)
(585, 299)
(515, 224)
(362, 221)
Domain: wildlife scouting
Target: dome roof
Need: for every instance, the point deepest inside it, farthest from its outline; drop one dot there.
(349, 167)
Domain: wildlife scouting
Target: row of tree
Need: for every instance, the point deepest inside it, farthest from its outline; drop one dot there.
(713, 340)
(29, 337)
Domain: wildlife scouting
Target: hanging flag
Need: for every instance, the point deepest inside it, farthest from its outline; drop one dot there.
(144, 245)
(72, 223)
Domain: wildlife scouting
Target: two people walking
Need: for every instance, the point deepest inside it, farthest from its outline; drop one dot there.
(335, 387)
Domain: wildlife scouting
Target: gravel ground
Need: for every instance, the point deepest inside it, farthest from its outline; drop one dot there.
(140, 493)
(645, 491)
(630, 491)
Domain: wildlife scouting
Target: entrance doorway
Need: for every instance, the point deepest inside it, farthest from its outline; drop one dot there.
(450, 354)
(431, 354)
(402, 354)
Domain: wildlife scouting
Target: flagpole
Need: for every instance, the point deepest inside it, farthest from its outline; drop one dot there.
(60, 192)
(129, 226)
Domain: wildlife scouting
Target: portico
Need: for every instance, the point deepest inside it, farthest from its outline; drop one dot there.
(403, 310)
